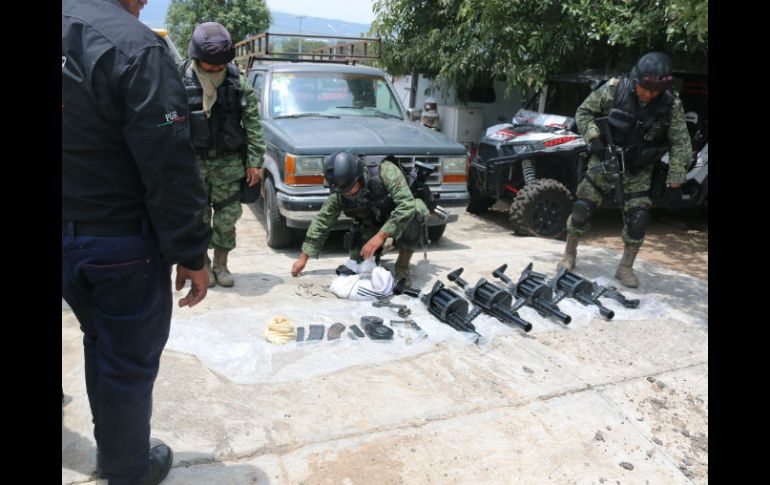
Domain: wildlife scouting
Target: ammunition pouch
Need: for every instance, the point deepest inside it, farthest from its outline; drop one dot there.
(199, 127)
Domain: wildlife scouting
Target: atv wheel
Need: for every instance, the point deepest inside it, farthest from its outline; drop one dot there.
(541, 209)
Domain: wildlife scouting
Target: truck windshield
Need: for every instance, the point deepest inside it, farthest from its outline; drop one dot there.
(293, 94)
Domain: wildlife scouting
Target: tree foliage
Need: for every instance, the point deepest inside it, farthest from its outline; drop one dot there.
(241, 18)
(292, 45)
(469, 42)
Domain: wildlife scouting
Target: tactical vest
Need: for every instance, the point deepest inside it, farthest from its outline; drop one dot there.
(222, 133)
(374, 206)
(643, 133)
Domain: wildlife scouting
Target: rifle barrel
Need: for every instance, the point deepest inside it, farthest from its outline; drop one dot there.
(551, 310)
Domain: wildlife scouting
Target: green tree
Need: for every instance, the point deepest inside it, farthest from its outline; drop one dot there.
(291, 45)
(464, 43)
(242, 18)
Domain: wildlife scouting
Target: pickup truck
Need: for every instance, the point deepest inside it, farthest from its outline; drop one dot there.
(309, 110)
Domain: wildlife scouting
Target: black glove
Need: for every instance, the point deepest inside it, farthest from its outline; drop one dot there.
(597, 146)
(674, 198)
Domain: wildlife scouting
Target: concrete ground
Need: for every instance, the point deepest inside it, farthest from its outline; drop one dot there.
(624, 401)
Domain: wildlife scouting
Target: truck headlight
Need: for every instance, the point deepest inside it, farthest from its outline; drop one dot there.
(303, 170)
(454, 170)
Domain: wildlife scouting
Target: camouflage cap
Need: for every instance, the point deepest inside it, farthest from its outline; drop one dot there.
(211, 43)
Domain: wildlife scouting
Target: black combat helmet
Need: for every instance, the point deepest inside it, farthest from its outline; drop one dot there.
(653, 71)
(342, 170)
(211, 43)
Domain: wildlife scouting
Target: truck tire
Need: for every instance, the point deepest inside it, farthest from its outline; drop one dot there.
(279, 235)
(541, 209)
(435, 232)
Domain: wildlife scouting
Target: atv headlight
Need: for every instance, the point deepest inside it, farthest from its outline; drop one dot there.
(454, 170)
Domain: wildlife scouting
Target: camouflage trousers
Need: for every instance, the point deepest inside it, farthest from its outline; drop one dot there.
(368, 232)
(222, 179)
(634, 184)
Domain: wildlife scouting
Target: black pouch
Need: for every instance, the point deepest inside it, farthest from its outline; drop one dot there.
(249, 194)
(199, 127)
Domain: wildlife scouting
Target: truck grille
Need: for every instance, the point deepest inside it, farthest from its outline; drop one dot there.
(408, 161)
(435, 177)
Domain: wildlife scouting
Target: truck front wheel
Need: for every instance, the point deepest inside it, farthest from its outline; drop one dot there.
(279, 235)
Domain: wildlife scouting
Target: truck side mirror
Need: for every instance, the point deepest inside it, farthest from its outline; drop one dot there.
(414, 114)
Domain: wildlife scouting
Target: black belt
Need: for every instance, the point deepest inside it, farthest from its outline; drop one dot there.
(103, 229)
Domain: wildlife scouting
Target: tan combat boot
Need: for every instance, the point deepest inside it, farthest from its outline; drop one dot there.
(402, 265)
(624, 273)
(212, 278)
(224, 278)
(570, 253)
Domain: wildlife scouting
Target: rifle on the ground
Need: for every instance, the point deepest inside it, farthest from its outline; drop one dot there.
(491, 299)
(614, 163)
(585, 291)
(533, 291)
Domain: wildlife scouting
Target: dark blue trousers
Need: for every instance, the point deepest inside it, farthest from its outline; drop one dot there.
(120, 291)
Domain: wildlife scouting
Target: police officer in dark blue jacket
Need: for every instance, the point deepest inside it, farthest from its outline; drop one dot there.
(132, 206)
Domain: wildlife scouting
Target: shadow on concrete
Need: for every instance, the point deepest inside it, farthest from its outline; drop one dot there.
(251, 284)
(490, 220)
(192, 468)
(78, 453)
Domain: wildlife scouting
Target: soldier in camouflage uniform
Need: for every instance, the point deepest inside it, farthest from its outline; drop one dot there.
(376, 196)
(646, 119)
(226, 134)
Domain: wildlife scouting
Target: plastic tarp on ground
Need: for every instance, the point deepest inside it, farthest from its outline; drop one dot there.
(232, 342)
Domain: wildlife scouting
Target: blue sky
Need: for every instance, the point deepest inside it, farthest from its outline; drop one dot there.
(348, 10)
(359, 11)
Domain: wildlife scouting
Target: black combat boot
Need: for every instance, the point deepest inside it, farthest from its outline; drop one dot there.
(161, 458)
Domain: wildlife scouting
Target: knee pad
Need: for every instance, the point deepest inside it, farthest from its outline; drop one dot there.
(582, 210)
(637, 218)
